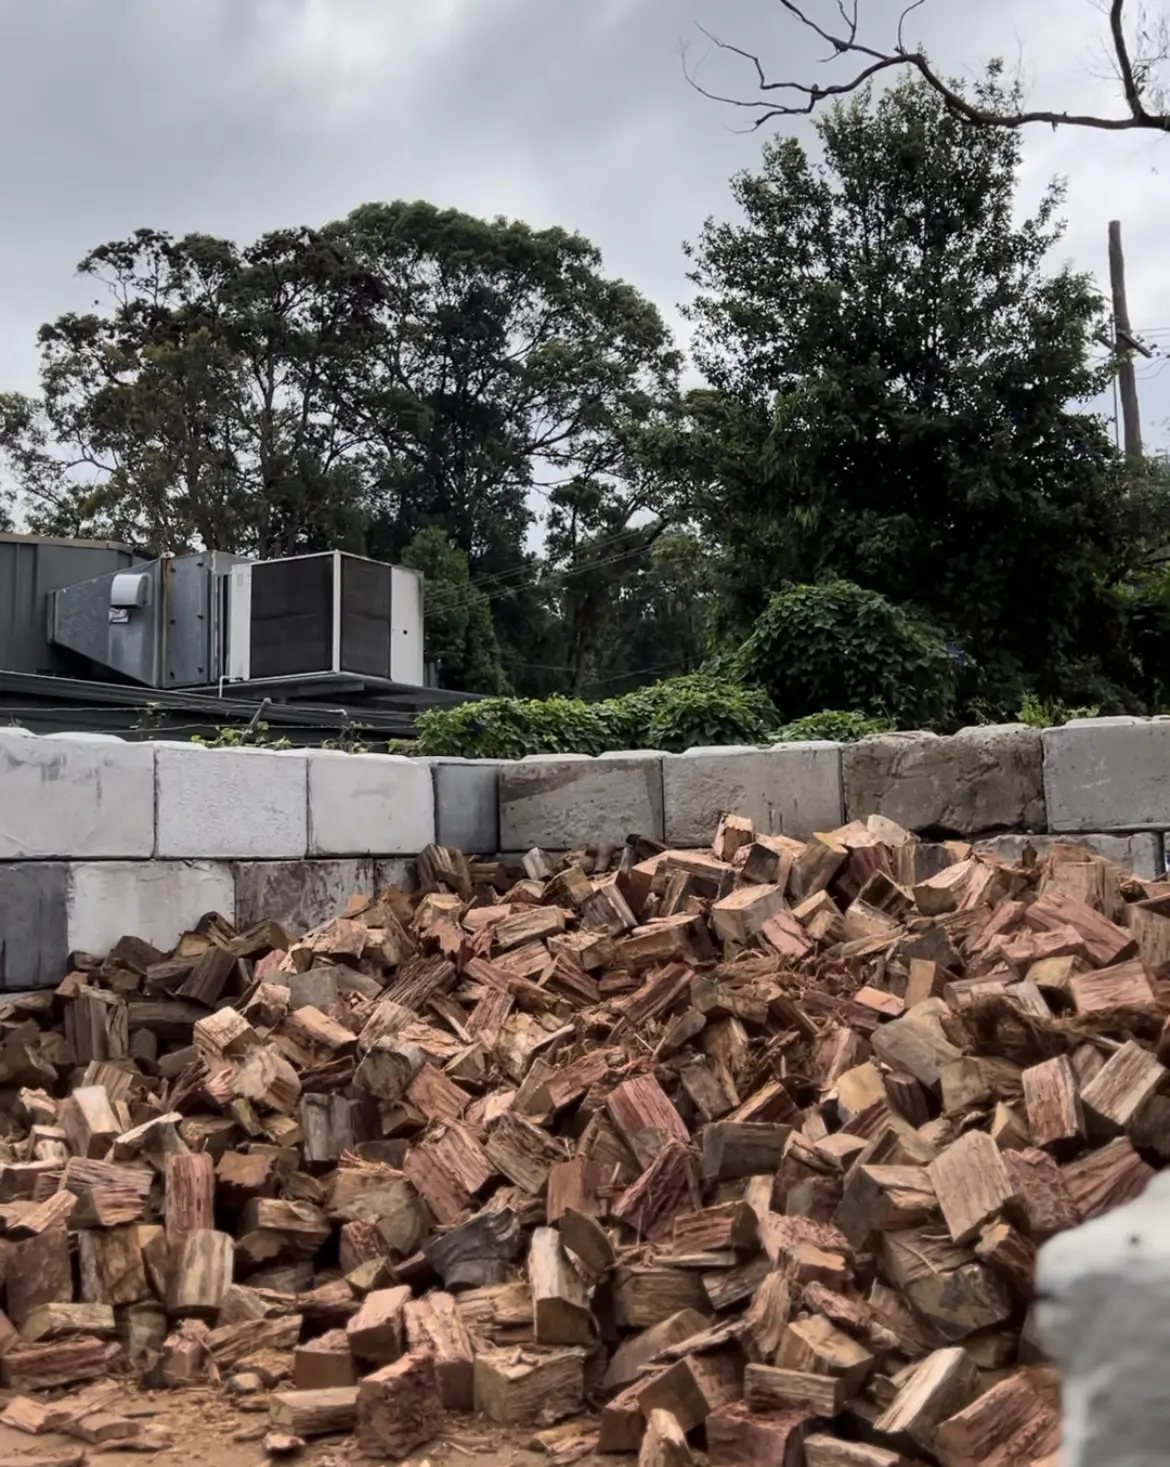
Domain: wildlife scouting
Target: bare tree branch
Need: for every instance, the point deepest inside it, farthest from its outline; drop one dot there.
(791, 98)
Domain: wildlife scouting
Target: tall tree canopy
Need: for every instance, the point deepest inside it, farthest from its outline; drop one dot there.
(893, 370)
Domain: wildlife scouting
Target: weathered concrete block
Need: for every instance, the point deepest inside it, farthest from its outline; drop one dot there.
(74, 795)
(219, 804)
(467, 804)
(369, 804)
(789, 789)
(563, 801)
(1141, 853)
(1108, 774)
(1102, 1290)
(34, 938)
(399, 872)
(156, 900)
(980, 779)
(298, 894)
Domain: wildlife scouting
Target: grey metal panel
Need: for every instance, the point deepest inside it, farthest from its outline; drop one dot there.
(191, 618)
(128, 640)
(31, 568)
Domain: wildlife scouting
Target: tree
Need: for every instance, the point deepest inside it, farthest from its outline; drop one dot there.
(202, 408)
(1138, 49)
(885, 310)
(460, 637)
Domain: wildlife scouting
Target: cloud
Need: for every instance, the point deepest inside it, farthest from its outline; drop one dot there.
(234, 116)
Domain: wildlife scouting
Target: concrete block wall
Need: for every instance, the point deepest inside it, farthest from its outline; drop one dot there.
(99, 837)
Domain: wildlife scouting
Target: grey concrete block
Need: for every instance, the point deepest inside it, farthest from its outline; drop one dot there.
(74, 796)
(224, 804)
(1141, 853)
(1108, 774)
(298, 894)
(563, 801)
(467, 804)
(34, 937)
(1101, 1311)
(155, 900)
(369, 804)
(789, 789)
(980, 779)
(399, 872)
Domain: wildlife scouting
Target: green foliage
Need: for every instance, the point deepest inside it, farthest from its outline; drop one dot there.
(837, 727)
(693, 711)
(257, 736)
(460, 636)
(834, 645)
(893, 367)
(676, 714)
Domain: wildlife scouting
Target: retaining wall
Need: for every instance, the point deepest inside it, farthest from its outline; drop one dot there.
(99, 837)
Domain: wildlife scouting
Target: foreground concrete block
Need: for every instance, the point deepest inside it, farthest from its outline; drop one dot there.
(400, 872)
(298, 894)
(1142, 853)
(216, 804)
(75, 795)
(369, 804)
(156, 900)
(34, 938)
(1108, 774)
(564, 801)
(789, 789)
(467, 804)
(980, 779)
(1102, 1290)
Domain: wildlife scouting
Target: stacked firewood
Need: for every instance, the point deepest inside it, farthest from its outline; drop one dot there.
(749, 1147)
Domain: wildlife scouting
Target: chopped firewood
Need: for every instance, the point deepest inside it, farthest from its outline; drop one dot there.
(645, 1117)
(89, 1121)
(324, 1363)
(52, 1322)
(529, 1385)
(1105, 1179)
(819, 1347)
(587, 1240)
(1115, 995)
(669, 1185)
(201, 1270)
(767, 1388)
(727, 1225)
(561, 1314)
(827, 1451)
(1055, 1117)
(1114, 1097)
(377, 1332)
(971, 1183)
(434, 1326)
(740, 1437)
(645, 1295)
(733, 1149)
(1010, 1253)
(190, 1194)
(1012, 1422)
(695, 1386)
(399, 1407)
(38, 1271)
(328, 1412)
(938, 1386)
(42, 1367)
(523, 1152)
(665, 1442)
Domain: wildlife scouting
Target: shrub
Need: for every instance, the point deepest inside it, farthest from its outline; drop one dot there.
(693, 712)
(834, 645)
(842, 728)
(676, 714)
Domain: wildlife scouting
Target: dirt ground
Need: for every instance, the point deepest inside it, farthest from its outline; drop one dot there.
(206, 1428)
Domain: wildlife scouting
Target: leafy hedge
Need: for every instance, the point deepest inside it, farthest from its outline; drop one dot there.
(679, 713)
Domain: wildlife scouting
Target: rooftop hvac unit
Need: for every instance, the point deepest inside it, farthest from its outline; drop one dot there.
(312, 615)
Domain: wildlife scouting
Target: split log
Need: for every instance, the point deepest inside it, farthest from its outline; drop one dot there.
(308, 1414)
(740, 1437)
(560, 1313)
(665, 1442)
(434, 1325)
(398, 1407)
(190, 1194)
(200, 1273)
(767, 1388)
(516, 1386)
(377, 1332)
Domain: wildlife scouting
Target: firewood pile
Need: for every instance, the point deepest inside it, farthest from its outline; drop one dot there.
(748, 1148)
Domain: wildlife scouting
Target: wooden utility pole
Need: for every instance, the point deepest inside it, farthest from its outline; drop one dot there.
(1124, 345)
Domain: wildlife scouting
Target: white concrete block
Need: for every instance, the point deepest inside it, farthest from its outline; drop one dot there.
(1102, 1292)
(1108, 774)
(369, 804)
(218, 804)
(563, 801)
(789, 789)
(74, 796)
(155, 900)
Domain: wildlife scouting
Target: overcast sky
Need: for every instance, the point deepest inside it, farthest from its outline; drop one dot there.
(235, 116)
